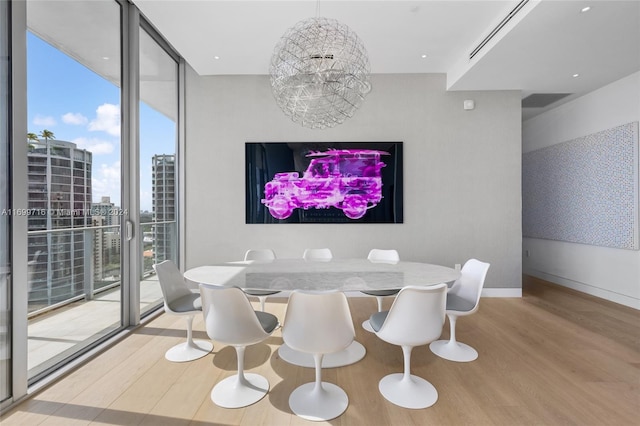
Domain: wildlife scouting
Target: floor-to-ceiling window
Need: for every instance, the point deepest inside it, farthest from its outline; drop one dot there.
(5, 210)
(88, 112)
(158, 111)
(74, 175)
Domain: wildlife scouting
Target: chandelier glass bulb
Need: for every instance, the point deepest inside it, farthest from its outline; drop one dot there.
(319, 73)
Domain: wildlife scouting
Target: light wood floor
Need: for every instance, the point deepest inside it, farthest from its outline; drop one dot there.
(552, 357)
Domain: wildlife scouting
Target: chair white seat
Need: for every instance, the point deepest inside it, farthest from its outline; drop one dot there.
(380, 256)
(462, 299)
(229, 318)
(318, 324)
(415, 318)
(180, 300)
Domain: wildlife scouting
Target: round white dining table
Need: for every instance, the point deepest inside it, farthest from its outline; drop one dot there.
(321, 275)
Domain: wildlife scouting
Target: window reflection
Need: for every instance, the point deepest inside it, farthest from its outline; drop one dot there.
(158, 165)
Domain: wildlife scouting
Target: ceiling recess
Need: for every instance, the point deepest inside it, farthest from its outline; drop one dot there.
(495, 31)
(541, 100)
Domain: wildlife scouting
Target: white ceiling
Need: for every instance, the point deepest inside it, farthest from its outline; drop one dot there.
(537, 52)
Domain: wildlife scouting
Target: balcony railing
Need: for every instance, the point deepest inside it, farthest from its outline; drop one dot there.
(70, 264)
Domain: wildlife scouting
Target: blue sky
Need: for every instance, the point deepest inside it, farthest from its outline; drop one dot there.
(80, 106)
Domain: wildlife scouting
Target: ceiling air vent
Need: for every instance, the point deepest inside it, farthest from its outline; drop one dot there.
(495, 31)
(541, 100)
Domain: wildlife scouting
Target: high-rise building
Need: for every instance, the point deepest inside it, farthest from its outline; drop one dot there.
(98, 247)
(164, 207)
(59, 200)
(106, 244)
(106, 209)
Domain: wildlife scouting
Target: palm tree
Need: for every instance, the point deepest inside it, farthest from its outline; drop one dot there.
(31, 137)
(46, 135)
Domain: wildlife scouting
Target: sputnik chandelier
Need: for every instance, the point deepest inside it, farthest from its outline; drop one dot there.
(319, 73)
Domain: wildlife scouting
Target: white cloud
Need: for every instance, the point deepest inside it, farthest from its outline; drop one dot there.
(42, 120)
(74, 118)
(106, 182)
(107, 119)
(96, 146)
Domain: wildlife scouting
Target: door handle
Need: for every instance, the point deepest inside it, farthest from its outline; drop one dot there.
(129, 230)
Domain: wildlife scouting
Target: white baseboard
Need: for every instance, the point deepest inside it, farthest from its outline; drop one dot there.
(502, 292)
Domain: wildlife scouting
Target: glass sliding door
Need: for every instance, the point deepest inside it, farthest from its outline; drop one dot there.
(158, 112)
(5, 209)
(74, 178)
(74, 263)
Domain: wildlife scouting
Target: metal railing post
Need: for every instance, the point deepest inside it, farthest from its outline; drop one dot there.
(88, 266)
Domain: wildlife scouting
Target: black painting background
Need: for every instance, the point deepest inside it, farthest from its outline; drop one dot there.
(265, 159)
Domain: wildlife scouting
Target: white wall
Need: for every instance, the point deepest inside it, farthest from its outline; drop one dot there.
(613, 274)
(462, 172)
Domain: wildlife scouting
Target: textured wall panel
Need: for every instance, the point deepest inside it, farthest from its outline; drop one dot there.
(584, 190)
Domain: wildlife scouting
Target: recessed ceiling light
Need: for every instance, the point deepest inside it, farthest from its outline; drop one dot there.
(106, 58)
(216, 57)
(575, 75)
(424, 56)
(585, 9)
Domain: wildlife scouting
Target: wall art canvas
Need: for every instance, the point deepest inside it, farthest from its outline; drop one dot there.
(323, 182)
(584, 190)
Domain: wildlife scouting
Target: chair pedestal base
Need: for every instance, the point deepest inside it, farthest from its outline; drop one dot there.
(232, 393)
(318, 405)
(413, 392)
(453, 351)
(188, 352)
(354, 353)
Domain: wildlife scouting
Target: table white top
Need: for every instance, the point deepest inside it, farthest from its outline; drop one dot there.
(336, 274)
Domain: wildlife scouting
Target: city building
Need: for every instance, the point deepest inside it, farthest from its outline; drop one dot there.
(98, 246)
(108, 210)
(164, 206)
(59, 200)
(106, 247)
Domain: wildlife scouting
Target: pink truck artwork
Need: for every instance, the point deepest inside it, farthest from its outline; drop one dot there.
(347, 179)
